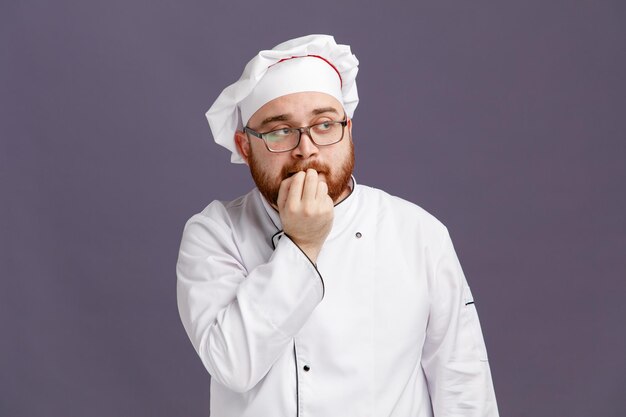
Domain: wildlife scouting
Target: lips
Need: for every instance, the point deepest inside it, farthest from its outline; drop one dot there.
(292, 170)
(291, 174)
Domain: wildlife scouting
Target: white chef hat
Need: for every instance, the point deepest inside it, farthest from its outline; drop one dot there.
(309, 63)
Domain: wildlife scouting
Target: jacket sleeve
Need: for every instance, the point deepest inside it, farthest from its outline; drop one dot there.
(240, 321)
(454, 357)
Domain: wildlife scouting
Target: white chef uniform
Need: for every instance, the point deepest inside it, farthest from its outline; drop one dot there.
(384, 325)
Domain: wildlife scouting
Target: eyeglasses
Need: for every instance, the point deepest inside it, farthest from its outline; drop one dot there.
(287, 139)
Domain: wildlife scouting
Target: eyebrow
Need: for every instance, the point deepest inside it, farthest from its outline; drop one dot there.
(278, 118)
(325, 110)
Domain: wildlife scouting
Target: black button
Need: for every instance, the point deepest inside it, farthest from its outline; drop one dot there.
(358, 235)
(306, 368)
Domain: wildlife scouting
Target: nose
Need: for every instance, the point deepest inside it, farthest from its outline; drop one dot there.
(306, 148)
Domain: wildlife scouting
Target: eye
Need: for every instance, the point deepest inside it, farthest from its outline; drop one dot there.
(282, 132)
(324, 126)
(278, 135)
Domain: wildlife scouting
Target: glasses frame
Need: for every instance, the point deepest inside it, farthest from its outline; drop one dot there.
(301, 130)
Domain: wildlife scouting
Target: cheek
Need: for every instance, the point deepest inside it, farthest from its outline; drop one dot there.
(270, 165)
(341, 154)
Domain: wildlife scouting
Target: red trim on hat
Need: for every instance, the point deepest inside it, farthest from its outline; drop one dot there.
(314, 56)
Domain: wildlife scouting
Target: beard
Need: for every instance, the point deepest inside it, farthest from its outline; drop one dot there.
(337, 179)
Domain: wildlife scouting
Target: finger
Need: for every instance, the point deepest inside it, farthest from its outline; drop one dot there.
(310, 186)
(322, 190)
(283, 192)
(295, 189)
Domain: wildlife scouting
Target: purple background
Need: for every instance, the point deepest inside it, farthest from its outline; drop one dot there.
(505, 119)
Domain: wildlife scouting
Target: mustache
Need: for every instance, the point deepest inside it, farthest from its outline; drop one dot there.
(320, 167)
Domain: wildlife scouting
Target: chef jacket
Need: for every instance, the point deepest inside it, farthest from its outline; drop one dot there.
(383, 325)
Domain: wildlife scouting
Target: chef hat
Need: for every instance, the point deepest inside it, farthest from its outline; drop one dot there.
(310, 63)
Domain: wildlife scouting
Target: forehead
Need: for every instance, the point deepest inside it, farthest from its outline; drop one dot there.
(296, 106)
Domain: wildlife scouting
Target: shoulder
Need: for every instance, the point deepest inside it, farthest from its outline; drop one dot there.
(397, 212)
(391, 204)
(222, 215)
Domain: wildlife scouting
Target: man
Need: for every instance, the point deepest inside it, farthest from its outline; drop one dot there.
(312, 295)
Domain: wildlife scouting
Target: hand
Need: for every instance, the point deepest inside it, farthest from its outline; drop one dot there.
(306, 211)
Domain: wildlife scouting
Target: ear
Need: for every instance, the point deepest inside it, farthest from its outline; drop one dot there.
(350, 128)
(243, 145)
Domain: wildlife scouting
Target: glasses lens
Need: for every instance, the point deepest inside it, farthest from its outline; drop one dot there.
(281, 140)
(327, 133)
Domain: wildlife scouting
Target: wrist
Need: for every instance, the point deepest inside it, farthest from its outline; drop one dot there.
(311, 250)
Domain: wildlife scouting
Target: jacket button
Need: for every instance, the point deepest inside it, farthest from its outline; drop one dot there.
(306, 368)
(358, 235)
